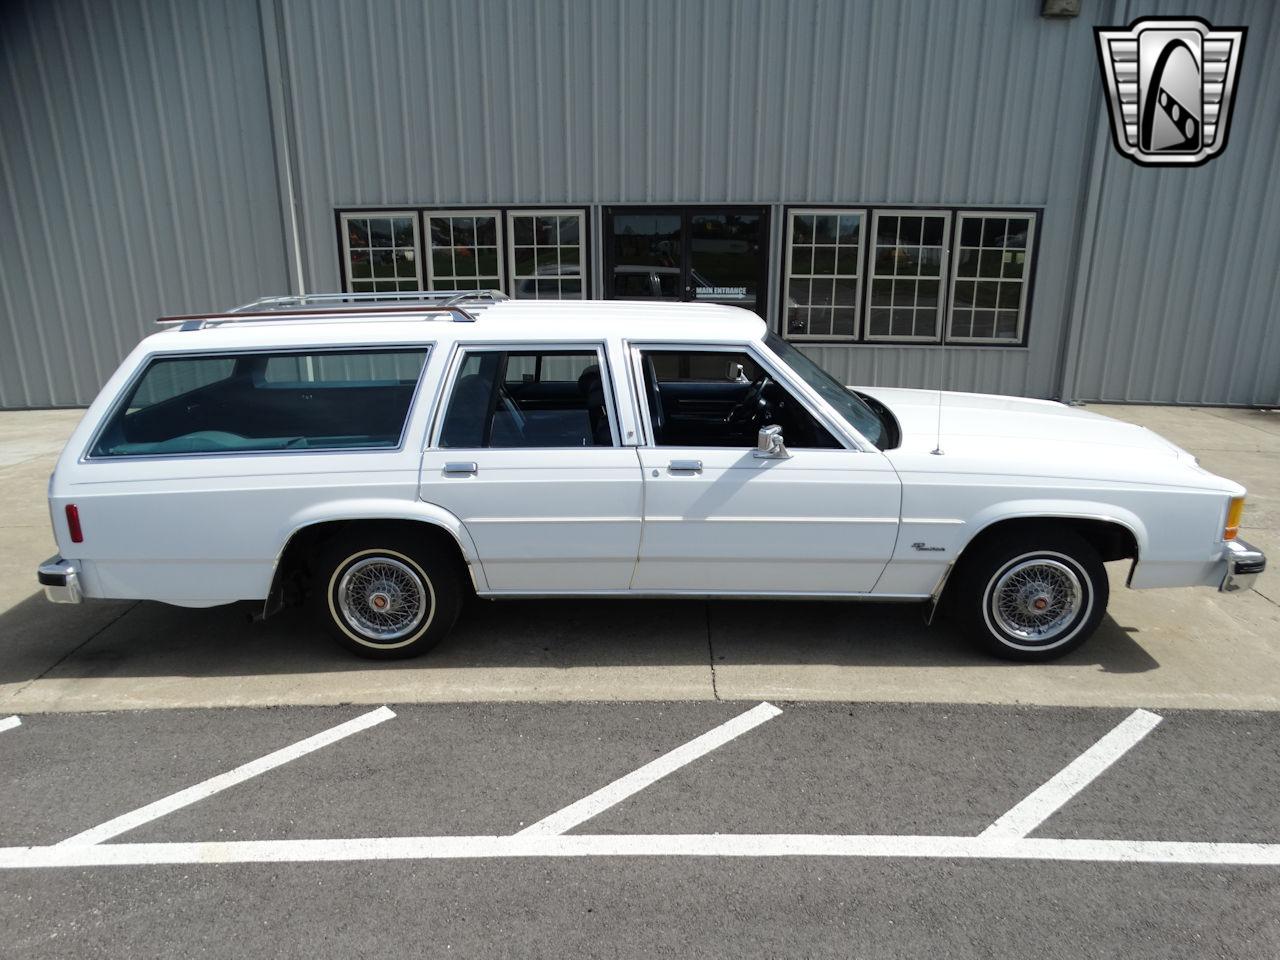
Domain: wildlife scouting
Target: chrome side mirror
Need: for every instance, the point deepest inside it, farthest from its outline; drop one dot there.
(769, 443)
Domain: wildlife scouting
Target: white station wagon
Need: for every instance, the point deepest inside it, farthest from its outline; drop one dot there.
(382, 458)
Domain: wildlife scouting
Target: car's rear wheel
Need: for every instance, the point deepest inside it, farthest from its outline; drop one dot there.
(386, 596)
(1032, 596)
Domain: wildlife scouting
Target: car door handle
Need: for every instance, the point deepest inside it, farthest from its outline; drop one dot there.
(685, 466)
(460, 469)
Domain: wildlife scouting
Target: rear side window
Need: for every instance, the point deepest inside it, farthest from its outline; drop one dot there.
(323, 400)
(550, 398)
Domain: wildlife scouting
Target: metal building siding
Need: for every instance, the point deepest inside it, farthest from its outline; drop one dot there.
(1184, 288)
(747, 101)
(136, 178)
(146, 145)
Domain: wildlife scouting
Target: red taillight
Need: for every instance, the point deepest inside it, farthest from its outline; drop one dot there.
(73, 524)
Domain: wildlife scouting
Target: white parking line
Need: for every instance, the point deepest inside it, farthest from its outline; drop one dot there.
(1043, 802)
(207, 788)
(569, 817)
(597, 845)
(8, 723)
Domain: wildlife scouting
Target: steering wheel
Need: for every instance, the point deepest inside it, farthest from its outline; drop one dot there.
(748, 410)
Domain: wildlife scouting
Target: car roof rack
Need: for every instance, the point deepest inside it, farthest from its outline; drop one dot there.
(458, 305)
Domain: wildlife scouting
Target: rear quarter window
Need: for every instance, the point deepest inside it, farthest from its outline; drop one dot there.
(320, 400)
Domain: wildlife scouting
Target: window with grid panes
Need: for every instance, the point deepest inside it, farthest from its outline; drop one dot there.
(990, 277)
(464, 253)
(907, 266)
(381, 252)
(823, 273)
(546, 254)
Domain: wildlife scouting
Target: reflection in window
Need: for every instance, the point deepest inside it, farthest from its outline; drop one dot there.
(906, 271)
(647, 249)
(172, 378)
(464, 250)
(822, 272)
(989, 286)
(546, 254)
(381, 252)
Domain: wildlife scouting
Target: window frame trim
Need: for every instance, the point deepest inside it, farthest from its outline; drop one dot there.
(1035, 211)
(582, 213)
(422, 212)
(1024, 301)
(454, 367)
(426, 347)
(943, 268)
(344, 238)
(788, 216)
(426, 213)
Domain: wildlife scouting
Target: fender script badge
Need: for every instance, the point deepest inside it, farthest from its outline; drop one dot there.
(920, 545)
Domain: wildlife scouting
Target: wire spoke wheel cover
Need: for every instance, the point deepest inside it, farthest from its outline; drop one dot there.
(1036, 600)
(383, 598)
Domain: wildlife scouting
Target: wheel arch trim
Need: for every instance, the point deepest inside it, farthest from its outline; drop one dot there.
(1050, 510)
(365, 508)
(1047, 511)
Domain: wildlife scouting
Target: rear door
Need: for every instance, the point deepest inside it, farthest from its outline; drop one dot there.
(528, 454)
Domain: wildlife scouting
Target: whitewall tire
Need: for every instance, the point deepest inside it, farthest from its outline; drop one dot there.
(1033, 596)
(386, 597)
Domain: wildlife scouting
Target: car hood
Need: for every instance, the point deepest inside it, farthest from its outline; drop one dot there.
(1055, 438)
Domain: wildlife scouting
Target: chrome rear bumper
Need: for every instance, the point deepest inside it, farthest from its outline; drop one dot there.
(1244, 563)
(60, 580)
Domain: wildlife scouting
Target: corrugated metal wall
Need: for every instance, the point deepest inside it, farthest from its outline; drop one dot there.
(1183, 300)
(745, 101)
(149, 146)
(137, 177)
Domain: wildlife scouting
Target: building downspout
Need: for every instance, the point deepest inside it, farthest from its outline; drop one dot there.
(281, 103)
(1073, 334)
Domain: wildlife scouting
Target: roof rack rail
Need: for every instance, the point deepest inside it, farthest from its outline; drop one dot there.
(362, 305)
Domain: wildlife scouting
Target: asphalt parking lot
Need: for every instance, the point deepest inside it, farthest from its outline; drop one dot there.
(640, 779)
(532, 830)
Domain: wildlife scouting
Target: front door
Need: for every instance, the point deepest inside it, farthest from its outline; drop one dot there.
(717, 518)
(704, 254)
(528, 456)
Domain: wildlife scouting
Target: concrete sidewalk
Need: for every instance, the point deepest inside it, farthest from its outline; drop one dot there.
(1170, 648)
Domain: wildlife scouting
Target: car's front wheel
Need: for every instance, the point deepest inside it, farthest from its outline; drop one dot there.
(1032, 596)
(386, 597)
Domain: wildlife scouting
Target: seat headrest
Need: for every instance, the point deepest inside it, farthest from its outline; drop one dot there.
(589, 378)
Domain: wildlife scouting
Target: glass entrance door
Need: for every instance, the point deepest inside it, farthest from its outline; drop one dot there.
(707, 254)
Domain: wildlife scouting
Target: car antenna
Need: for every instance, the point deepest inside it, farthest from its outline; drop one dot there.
(937, 450)
(943, 379)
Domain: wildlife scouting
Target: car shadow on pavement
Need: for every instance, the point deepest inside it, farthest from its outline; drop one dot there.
(122, 639)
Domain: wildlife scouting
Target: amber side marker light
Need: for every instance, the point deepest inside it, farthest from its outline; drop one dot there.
(73, 524)
(1234, 512)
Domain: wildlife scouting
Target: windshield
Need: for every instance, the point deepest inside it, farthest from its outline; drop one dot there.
(846, 403)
